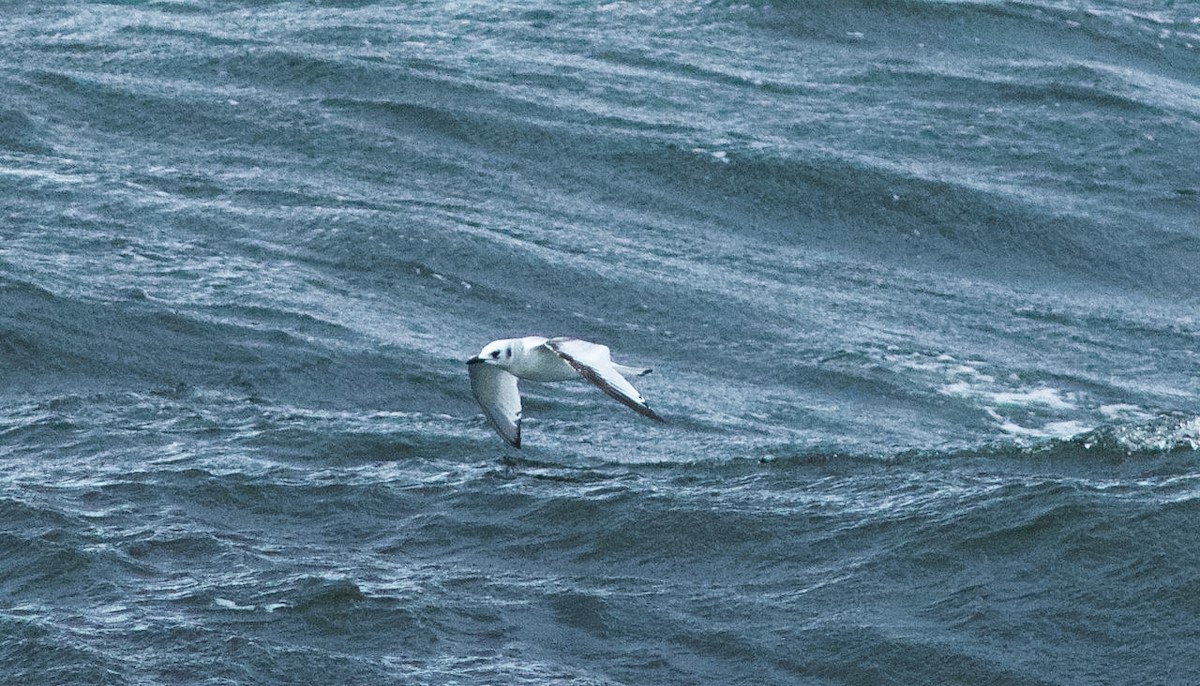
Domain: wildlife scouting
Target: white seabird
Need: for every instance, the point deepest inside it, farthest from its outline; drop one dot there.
(497, 368)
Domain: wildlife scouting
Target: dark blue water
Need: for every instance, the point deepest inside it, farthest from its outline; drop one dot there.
(919, 281)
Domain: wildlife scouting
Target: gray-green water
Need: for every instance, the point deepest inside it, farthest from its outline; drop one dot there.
(918, 281)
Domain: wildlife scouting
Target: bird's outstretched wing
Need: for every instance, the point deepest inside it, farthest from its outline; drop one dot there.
(496, 391)
(593, 363)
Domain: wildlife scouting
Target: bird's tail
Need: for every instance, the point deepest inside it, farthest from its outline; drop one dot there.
(631, 371)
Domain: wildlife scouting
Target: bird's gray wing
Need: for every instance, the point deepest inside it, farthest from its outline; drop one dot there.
(593, 363)
(496, 391)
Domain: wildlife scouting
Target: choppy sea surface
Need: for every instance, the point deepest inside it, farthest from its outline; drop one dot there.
(919, 281)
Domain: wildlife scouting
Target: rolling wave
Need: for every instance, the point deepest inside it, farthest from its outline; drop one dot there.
(917, 281)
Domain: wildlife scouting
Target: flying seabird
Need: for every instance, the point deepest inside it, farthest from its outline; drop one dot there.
(497, 368)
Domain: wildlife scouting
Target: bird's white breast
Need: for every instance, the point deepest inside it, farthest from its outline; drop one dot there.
(539, 363)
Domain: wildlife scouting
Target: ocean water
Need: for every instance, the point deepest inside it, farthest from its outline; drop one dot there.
(919, 281)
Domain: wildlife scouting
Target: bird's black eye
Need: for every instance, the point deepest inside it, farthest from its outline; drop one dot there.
(495, 353)
(508, 352)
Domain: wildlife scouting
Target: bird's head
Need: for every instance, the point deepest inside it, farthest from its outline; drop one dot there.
(496, 352)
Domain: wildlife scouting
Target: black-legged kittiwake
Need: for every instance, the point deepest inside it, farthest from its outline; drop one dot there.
(497, 368)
